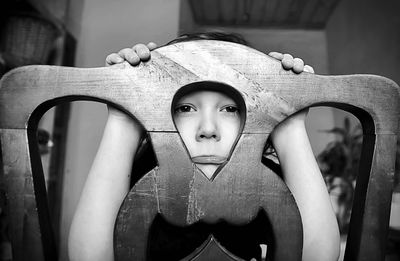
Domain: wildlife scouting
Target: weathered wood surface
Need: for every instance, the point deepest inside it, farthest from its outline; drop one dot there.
(146, 91)
(184, 196)
(270, 92)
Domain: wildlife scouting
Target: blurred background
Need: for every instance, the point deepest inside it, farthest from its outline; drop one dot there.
(334, 36)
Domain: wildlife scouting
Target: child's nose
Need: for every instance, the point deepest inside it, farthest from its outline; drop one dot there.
(208, 129)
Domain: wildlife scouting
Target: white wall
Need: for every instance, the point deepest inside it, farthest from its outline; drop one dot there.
(105, 27)
(364, 37)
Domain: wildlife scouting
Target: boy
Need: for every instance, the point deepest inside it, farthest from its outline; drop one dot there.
(208, 135)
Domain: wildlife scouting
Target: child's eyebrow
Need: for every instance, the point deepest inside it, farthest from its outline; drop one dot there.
(228, 103)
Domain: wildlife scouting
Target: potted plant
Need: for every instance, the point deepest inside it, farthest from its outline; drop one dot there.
(339, 163)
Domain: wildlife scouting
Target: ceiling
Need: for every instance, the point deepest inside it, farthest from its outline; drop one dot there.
(306, 14)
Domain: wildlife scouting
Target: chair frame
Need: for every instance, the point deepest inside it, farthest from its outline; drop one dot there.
(26, 93)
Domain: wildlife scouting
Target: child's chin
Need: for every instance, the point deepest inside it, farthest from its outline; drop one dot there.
(208, 169)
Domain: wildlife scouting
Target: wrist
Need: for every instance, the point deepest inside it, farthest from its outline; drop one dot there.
(288, 134)
(117, 114)
(290, 129)
(120, 120)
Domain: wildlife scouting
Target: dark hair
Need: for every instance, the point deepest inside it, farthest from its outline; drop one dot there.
(220, 36)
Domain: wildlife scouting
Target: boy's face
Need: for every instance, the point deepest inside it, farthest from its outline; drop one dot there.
(209, 123)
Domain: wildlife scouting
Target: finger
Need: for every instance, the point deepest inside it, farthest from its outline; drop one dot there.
(287, 61)
(298, 65)
(130, 56)
(151, 46)
(142, 51)
(308, 68)
(276, 55)
(113, 59)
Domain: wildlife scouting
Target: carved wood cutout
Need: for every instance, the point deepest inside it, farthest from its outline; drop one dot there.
(212, 95)
(175, 189)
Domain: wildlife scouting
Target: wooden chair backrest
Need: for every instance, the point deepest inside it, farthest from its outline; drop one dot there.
(175, 190)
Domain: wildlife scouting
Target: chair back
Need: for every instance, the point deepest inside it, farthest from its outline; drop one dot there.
(175, 201)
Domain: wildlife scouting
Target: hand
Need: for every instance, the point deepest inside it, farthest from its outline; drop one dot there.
(296, 120)
(290, 63)
(135, 55)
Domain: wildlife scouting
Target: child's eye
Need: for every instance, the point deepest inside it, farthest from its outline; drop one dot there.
(184, 108)
(231, 109)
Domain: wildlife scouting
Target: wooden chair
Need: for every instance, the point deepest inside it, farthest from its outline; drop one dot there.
(174, 195)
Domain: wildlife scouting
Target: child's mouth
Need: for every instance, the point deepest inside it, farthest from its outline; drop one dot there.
(209, 159)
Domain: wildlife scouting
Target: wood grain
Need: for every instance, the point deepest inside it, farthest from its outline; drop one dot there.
(270, 93)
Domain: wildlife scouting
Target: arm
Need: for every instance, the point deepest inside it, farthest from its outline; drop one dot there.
(92, 228)
(300, 170)
(302, 175)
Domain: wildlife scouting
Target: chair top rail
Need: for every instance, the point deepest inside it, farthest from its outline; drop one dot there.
(145, 91)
